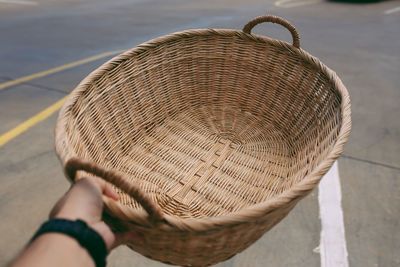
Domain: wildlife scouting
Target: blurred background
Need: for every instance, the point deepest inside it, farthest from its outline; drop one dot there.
(47, 47)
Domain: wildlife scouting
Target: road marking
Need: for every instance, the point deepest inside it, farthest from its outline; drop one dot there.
(333, 249)
(23, 127)
(19, 2)
(44, 114)
(392, 10)
(44, 73)
(295, 3)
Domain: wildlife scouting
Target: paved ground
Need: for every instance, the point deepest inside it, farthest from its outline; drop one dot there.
(360, 41)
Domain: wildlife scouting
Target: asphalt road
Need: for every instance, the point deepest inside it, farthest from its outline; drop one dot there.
(361, 42)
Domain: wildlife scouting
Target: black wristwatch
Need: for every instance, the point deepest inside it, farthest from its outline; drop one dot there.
(81, 232)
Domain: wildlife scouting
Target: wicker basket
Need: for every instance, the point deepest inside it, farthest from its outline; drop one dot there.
(210, 136)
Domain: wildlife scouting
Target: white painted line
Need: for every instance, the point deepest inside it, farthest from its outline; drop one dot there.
(295, 3)
(333, 249)
(19, 2)
(392, 10)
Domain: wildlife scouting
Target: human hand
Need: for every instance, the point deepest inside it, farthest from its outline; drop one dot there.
(84, 201)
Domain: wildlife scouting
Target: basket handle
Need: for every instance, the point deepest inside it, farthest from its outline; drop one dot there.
(274, 19)
(74, 164)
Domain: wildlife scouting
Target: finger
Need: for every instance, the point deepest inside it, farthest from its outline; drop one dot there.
(104, 187)
(109, 191)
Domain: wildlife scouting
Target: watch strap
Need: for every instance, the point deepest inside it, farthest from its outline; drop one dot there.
(81, 232)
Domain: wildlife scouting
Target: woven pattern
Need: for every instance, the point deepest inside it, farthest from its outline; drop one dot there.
(222, 130)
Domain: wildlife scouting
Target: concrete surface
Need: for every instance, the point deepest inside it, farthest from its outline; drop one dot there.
(359, 41)
(371, 197)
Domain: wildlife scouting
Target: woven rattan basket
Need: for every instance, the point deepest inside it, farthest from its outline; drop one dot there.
(210, 136)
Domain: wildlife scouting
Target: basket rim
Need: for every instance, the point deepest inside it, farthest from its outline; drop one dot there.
(251, 213)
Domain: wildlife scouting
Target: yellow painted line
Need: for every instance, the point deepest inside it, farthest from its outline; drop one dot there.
(44, 114)
(44, 73)
(23, 127)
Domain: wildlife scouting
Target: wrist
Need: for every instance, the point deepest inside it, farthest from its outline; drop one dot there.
(88, 238)
(105, 232)
(99, 226)
(73, 215)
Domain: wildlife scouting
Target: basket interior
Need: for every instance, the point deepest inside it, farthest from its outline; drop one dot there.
(207, 125)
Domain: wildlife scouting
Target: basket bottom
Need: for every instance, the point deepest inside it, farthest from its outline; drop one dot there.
(208, 162)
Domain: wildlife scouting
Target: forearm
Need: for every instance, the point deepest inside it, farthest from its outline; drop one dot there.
(53, 249)
(75, 235)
